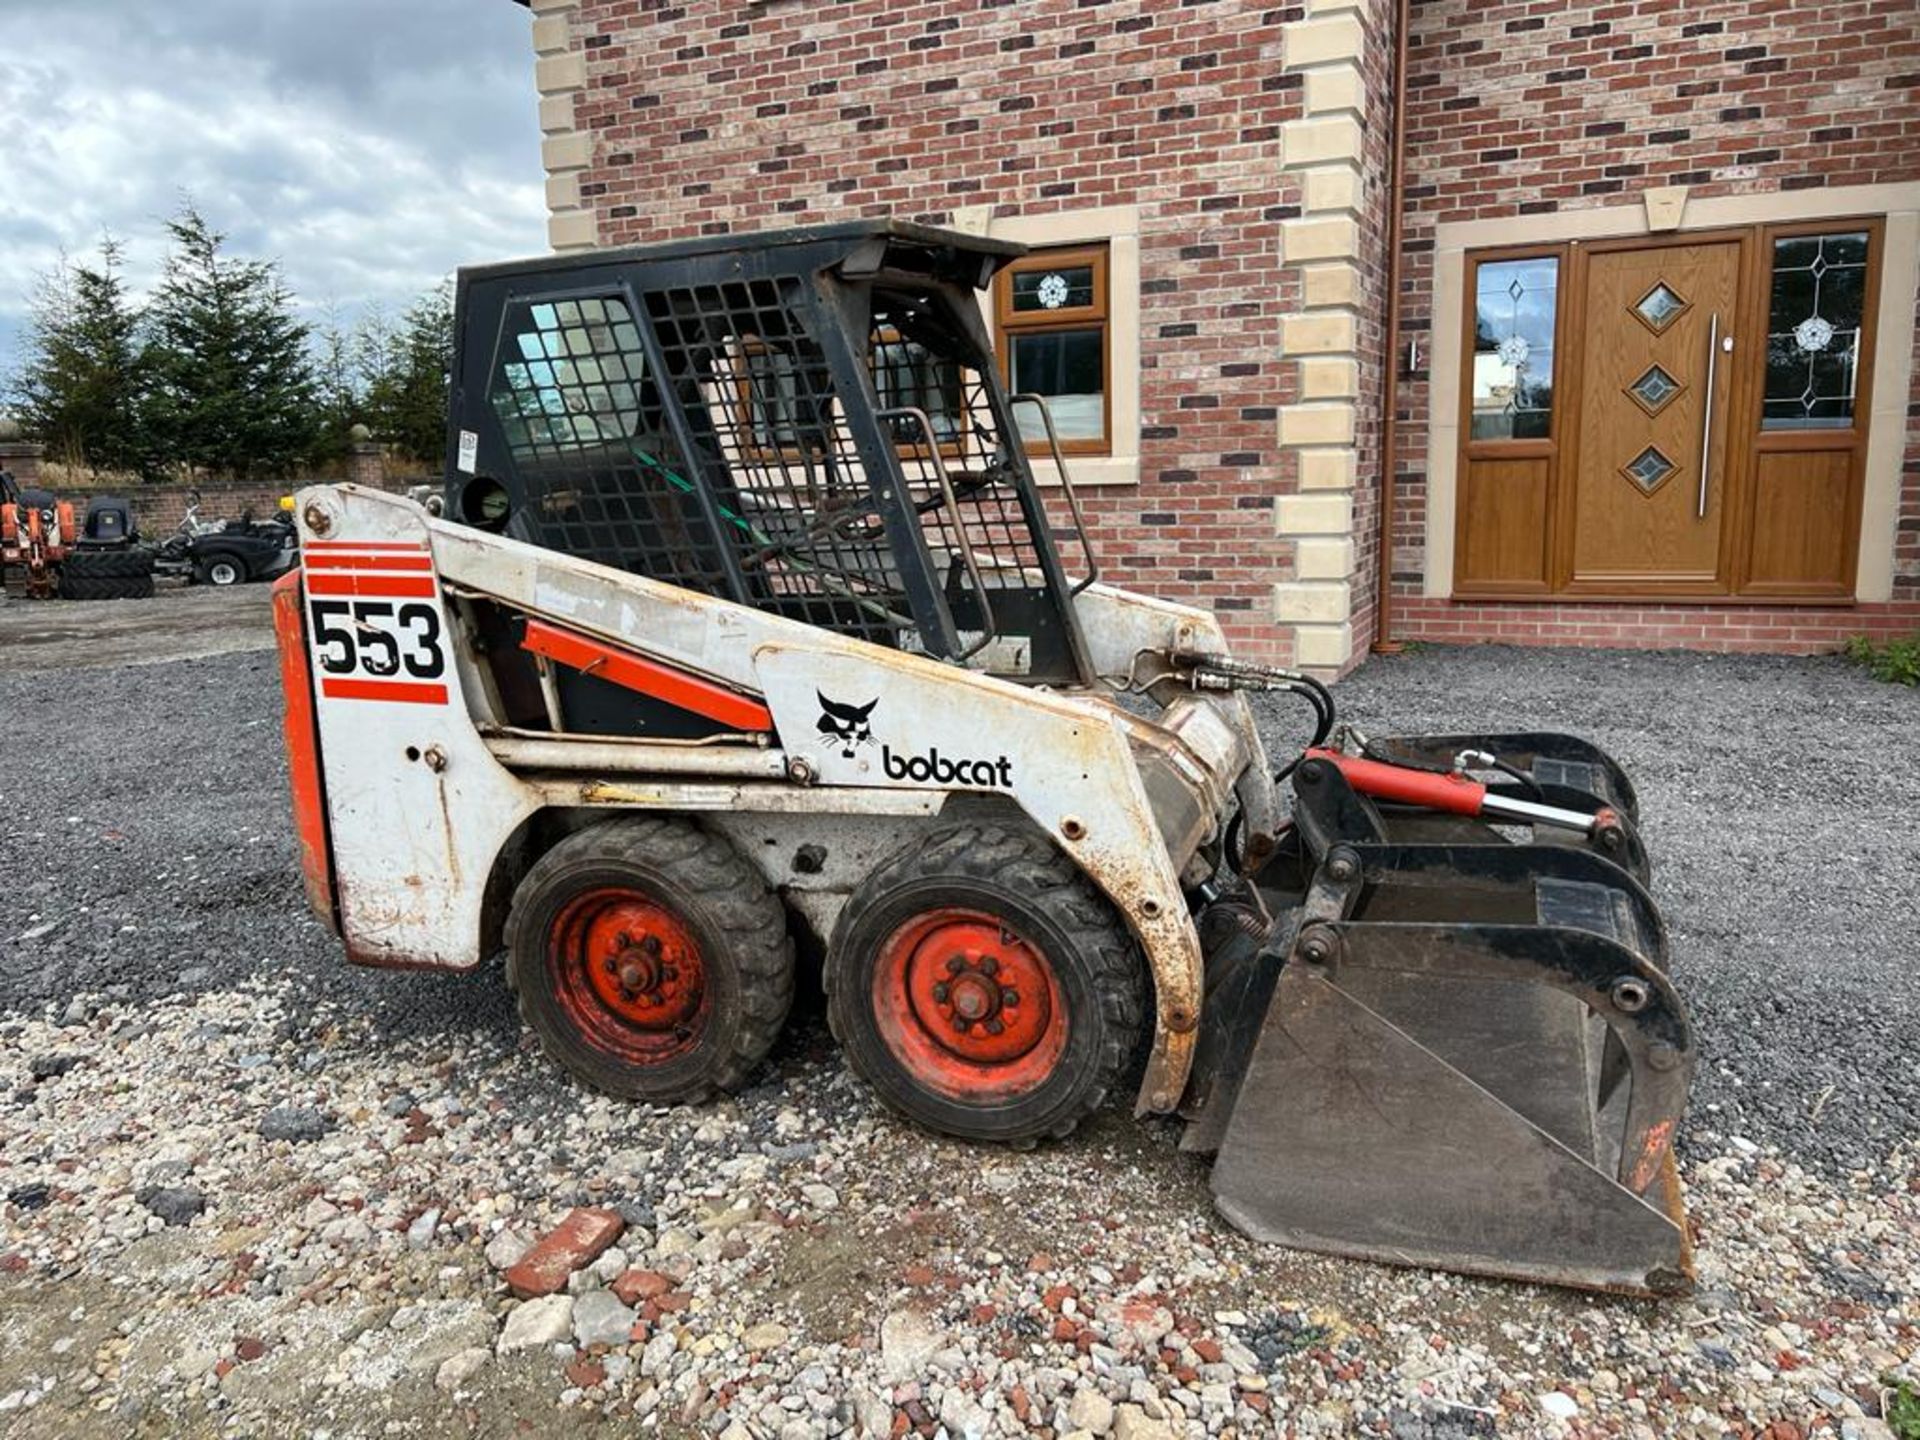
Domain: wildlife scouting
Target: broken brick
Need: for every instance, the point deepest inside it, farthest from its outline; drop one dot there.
(637, 1285)
(575, 1242)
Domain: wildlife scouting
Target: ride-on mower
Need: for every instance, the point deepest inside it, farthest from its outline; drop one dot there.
(745, 614)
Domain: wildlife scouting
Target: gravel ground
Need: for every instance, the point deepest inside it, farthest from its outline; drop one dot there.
(249, 1191)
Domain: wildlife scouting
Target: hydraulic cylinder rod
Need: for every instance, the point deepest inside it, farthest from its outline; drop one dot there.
(1455, 793)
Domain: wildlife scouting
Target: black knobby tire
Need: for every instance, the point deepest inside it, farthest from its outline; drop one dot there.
(88, 587)
(719, 904)
(1047, 907)
(129, 564)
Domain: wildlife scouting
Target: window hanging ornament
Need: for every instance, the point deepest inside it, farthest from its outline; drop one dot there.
(1052, 291)
(1514, 351)
(1813, 335)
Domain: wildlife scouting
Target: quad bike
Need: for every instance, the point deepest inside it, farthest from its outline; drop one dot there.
(745, 616)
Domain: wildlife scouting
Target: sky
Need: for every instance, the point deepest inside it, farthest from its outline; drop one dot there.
(371, 146)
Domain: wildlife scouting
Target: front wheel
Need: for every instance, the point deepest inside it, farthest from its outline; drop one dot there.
(985, 988)
(650, 960)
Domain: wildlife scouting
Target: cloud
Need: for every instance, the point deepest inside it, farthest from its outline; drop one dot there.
(370, 146)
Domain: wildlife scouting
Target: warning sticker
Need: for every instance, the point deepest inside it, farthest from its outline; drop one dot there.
(469, 451)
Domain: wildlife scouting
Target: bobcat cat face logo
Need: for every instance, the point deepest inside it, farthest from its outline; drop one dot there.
(845, 725)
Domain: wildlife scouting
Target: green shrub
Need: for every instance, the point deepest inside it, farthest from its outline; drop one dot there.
(1903, 1406)
(1895, 661)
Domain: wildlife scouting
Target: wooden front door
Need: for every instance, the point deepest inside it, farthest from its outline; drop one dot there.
(1591, 465)
(1649, 502)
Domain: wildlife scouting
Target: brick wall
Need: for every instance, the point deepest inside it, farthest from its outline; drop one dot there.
(1523, 108)
(158, 508)
(706, 119)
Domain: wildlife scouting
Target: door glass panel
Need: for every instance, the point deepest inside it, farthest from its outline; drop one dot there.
(1648, 469)
(1660, 307)
(1514, 307)
(1654, 389)
(1813, 331)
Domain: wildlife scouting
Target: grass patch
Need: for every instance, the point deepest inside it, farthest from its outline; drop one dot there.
(1897, 662)
(1903, 1408)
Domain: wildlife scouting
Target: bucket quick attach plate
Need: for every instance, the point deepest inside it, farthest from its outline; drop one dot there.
(1471, 1060)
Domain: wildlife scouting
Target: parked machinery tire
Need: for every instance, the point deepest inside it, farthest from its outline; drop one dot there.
(128, 564)
(221, 570)
(107, 575)
(650, 959)
(985, 988)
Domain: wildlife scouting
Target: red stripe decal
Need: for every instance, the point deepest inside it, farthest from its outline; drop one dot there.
(369, 562)
(385, 587)
(410, 692)
(648, 677)
(407, 547)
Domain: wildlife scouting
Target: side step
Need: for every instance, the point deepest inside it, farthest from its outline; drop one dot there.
(1471, 1059)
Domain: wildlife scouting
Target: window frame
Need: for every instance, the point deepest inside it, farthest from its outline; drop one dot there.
(1009, 323)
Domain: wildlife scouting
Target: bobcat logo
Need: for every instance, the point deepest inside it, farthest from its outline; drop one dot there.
(845, 725)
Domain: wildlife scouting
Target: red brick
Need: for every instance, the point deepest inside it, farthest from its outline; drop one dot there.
(637, 1285)
(571, 1244)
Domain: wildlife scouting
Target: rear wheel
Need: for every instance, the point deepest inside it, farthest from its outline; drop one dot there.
(984, 988)
(220, 570)
(651, 960)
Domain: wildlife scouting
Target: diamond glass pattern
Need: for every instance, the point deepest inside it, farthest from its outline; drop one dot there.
(1654, 389)
(1815, 312)
(1648, 469)
(1659, 307)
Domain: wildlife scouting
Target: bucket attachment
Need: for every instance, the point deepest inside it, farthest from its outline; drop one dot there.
(1464, 1056)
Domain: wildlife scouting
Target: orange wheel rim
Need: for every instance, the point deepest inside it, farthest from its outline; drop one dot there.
(629, 974)
(969, 1006)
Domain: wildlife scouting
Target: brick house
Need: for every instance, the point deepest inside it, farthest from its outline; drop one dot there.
(1653, 333)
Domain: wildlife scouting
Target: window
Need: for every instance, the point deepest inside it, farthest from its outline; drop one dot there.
(1815, 307)
(1051, 323)
(1514, 308)
(572, 377)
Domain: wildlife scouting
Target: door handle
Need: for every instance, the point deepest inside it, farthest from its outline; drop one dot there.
(1706, 424)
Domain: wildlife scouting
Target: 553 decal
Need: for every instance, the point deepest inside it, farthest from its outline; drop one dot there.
(381, 638)
(372, 623)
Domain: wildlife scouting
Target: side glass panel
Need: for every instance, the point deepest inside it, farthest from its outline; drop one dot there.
(571, 377)
(1514, 307)
(1816, 304)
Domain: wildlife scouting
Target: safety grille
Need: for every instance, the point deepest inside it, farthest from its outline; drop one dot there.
(716, 453)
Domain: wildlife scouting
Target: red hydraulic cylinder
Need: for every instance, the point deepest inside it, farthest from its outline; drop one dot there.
(1454, 793)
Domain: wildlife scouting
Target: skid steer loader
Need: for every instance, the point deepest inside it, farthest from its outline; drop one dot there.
(745, 614)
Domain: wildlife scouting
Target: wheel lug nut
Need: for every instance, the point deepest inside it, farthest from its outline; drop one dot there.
(609, 966)
(989, 966)
(994, 1027)
(955, 964)
(1009, 997)
(961, 1023)
(940, 992)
